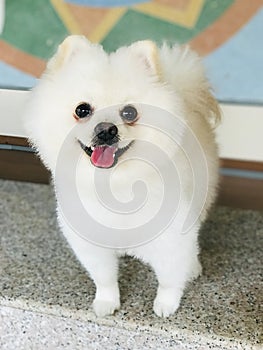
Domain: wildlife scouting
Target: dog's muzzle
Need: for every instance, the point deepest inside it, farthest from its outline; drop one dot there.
(104, 151)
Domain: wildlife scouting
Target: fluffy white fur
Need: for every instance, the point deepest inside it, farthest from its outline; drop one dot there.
(171, 78)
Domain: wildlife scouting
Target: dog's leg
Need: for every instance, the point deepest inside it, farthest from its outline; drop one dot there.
(104, 272)
(172, 278)
(175, 264)
(102, 265)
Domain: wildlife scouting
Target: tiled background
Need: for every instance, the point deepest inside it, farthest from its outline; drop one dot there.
(228, 33)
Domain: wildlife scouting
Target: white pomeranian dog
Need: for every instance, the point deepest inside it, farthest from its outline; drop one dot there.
(94, 118)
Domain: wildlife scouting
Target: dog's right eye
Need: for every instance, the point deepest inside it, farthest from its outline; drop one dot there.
(83, 110)
(129, 114)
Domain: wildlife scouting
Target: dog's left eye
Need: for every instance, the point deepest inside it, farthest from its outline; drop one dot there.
(129, 114)
(83, 110)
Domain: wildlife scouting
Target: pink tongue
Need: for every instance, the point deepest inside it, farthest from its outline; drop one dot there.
(103, 156)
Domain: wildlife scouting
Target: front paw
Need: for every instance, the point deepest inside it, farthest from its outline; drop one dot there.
(167, 301)
(105, 307)
(164, 309)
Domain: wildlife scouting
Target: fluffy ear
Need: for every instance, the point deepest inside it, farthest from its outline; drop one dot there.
(147, 51)
(72, 45)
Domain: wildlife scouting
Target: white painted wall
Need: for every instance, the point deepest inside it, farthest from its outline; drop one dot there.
(12, 104)
(240, 136)
(2, 15)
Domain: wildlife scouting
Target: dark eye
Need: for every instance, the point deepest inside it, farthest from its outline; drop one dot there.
(129, 113)
(83, 110)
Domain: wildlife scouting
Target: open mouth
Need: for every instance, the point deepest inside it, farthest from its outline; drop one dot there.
(104, 156)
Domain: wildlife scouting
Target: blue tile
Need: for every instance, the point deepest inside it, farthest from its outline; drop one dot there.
(235, 69)
(11, 77)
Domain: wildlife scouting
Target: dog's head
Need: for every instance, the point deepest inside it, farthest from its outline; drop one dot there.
(98, 100)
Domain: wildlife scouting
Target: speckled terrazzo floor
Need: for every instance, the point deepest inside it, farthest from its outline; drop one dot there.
(45, 295)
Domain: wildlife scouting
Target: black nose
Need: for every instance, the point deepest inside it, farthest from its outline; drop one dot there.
(106, 131)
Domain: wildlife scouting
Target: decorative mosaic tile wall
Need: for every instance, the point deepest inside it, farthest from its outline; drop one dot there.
(228, 33)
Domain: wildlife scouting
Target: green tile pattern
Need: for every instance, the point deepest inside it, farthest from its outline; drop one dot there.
(211, 11)
(33, 26)
(137, 26)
